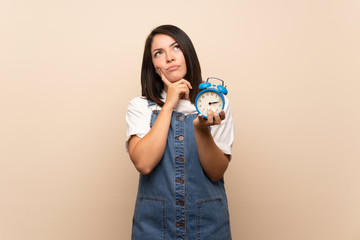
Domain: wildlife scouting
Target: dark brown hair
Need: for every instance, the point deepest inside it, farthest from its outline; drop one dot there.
(151, 83)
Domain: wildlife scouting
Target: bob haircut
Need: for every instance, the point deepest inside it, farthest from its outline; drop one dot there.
(151, 84)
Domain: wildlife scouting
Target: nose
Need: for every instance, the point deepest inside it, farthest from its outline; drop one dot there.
(169, 58)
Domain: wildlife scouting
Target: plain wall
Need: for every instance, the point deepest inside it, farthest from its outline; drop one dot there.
(69, 68)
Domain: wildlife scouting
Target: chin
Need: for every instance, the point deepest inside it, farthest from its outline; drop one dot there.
(175, 77)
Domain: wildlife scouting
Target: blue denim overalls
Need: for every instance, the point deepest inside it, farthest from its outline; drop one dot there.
(177, 200)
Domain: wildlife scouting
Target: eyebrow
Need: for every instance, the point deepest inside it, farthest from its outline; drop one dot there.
(157, 49)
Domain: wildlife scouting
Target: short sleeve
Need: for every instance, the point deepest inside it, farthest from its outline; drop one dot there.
(223, 134)
(138, 117)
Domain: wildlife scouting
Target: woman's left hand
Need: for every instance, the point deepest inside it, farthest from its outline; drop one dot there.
(202, 123)
(212, 158)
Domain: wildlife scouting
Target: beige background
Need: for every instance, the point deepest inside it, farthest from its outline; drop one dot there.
(68, 69)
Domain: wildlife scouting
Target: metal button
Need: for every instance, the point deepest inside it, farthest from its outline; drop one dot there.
(180, 159)
(181, 118)
(180, 180)
(180, 224)
(181, 138)
(181, 203)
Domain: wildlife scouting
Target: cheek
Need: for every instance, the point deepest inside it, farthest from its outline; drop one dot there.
(157, 63)
(183, 62)
(154, 62)
(185, 69)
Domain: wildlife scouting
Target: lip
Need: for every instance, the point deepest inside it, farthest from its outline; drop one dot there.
(173, 68)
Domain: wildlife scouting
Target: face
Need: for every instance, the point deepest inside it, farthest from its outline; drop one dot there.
(167, 56)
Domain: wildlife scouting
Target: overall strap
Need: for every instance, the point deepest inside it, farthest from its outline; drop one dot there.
(151, 103)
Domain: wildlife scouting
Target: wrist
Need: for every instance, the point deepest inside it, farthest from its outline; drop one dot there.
(167, 108)
(203, 129)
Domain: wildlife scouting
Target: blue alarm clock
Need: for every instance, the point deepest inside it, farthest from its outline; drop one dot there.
(211, 96)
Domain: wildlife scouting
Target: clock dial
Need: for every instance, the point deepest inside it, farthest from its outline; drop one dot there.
(209, 100)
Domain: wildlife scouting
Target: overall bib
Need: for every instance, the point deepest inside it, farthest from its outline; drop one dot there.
(177, 200)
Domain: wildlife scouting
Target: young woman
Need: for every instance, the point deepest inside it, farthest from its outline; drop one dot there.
(181, 156)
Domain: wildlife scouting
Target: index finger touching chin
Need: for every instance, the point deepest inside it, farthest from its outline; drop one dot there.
(163, 78)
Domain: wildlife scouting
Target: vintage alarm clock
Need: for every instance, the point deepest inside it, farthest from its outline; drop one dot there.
(211, 96)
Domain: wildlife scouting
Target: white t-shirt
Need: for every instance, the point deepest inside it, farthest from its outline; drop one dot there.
(138, 119)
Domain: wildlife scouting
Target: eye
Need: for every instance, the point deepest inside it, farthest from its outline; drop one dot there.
(177, 47)
(158, 53)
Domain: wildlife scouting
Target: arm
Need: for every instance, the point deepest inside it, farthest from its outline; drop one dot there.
(213, 160)
(146, 152)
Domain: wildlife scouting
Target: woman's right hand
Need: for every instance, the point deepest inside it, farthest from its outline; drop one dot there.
(175, 91)
(147, 152)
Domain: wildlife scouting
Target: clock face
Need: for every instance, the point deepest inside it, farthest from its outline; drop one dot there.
(209, 99)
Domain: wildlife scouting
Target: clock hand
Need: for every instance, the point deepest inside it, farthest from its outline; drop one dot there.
(213, 102)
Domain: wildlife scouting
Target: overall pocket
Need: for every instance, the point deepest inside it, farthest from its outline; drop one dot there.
(212, 220)
(149, 219)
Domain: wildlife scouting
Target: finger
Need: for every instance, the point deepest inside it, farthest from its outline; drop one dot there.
(187, 93)
(217, 119)
(201, 118)
(210, 116)
(222, 114)
(184, 90)
(163, 78)
(187, 83)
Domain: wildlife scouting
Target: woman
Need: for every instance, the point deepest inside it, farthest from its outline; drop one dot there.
(181, 156)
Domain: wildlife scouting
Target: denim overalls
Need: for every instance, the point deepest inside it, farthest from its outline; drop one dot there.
(177, 200)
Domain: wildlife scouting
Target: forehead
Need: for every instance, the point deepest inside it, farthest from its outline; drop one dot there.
(161, 41)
